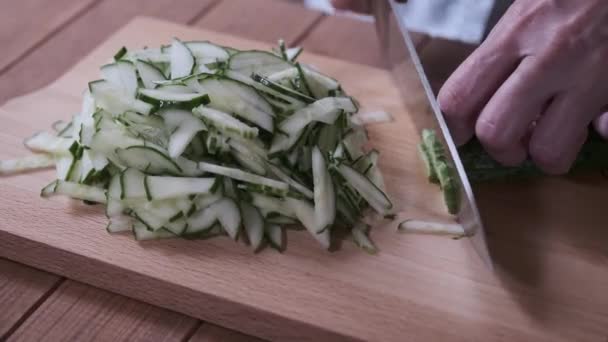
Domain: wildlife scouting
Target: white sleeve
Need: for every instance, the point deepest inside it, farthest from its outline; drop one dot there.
(463, 20)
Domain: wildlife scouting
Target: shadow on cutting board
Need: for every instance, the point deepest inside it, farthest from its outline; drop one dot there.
(540, 231)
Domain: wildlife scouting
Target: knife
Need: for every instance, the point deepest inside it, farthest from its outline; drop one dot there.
(403, 60)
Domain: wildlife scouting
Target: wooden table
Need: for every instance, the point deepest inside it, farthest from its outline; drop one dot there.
(42, 39)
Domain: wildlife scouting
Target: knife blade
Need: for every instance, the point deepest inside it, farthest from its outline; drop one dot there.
(403, 60)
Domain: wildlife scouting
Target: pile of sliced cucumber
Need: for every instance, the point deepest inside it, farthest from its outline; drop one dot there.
(197, 140)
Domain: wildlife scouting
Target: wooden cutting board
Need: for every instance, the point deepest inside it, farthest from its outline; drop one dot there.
(549, 239)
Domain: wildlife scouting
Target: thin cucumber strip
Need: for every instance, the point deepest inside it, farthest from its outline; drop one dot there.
(280, 174)
(276, 236)
(288, 101)
(225, 211)
(305, 213)
(325, 110)
(59, 126)
(115, 100)
(142, 233)
(115, 206)
(259, 62)
(225, 122)
(182, 60)
(354, 141)
(177, 227)
(149, 73)
(432, 228)
(78, 191)
(253, 222)
(282, 89)
(157, 96)
(361, 238)
(247, 159)
(272, 205)
(119, 224)
(370, 192)
(324, 195)
(156, 214)
(281, 220)
(174, 88)
(133, 187)
(29, 163)
(293, 53)
(163, 187)
(231, 96)
(48, 143)
(205, 200)
(186, 127)
(148, 160)
(320, 85)
(243, 176)
(121, 74)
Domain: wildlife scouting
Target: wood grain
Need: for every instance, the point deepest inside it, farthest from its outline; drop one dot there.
(212, 333)
(77, 312)
(26, 23)
(53, 57)
(347, 39)
(263, 20)
(417, 288)
(21, 287)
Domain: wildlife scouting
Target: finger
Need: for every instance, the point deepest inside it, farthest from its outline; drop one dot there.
(467, 91)
(601, 125)
(361, 6)
(507, 117)
(561, 132)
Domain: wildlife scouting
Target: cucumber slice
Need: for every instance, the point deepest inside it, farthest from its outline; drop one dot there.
(253, 222)
(247, 177)
(115, 100)
(225, 211)
(278, 99)
(280, 174)
(78, 191)
(48, 143)
(156, 97)
(205, 200)
(121, 74)
(324, 195)
(360, 237)
(306, 214)
(174, 88)
(272, 205)
(163, 187)
(187, 126)
(326, 110)
(258, 62)
(119, 224)
(141, 233)
(29, 163)
(133, 187)
(282, 89)
(320, 85)
(149, 73)
(225, 122)
(276, 236)
(432, 228)
(148, 160)
(182, 60)
(370, 192)
(231, 96)
(207, 52)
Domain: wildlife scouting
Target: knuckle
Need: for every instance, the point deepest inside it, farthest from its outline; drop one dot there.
(490, 136)
(452, 99)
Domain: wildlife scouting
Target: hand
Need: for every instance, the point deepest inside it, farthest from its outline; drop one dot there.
(536, 83)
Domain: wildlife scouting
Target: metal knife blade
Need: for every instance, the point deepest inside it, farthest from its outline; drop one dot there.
(404, 60)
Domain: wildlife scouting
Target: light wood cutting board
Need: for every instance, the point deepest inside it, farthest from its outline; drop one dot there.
(549, 239)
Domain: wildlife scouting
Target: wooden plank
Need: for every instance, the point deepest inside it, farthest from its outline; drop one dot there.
(347, 39)
(263, 20)
(21, 288)
(26, 23)
(78, 312)
(212, 333)
(53, 57)
(422, 288)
